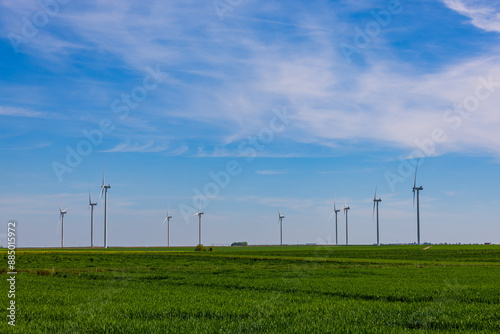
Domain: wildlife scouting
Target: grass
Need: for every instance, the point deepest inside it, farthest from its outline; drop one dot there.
(289, 289)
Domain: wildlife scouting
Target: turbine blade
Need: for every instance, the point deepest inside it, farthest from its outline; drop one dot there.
(331, 215)
(166, 218)
(416, 169)
(374, 209)
(334, 206)
(104, 174)
(90, 198)
(375, 196)
(60, 210)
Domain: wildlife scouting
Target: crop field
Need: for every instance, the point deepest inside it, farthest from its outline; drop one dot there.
(289, 289)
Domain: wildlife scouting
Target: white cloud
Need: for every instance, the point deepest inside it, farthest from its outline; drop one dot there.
(150, 146)
(385, 103)
(484, 14)
(271, 172)
(20, 112)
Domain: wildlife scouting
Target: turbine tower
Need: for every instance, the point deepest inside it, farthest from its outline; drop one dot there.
(280, 218)
(346, 213)
(104, 188)
(199, 213)
(61, 220)
(415, 188)
(376, 201)
(335, 212)
(91, 207)
(167, 219)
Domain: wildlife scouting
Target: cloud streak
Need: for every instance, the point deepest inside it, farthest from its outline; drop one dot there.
(483, 14)
(226, 76)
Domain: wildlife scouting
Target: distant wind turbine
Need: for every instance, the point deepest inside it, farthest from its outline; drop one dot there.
(61, 220)
(376, 201)
(104, 188)
(280, 218)
(415, 188)
(167, 219)
(199, 213)
(335, 212)
(91, 207)
(346, 213)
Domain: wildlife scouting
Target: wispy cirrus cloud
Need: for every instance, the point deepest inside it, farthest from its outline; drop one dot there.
(482, 13)
(271, 172)
(228, 75)
(129, 146)
(20, 112)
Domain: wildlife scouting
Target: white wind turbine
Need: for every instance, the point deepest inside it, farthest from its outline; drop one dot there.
(91, 207)
(61, 220)
(104, 188)
(280, 218)
(376, 201)
(415, 188)
(167, 219)
(346, 213)
(199, 214)
(335, 212)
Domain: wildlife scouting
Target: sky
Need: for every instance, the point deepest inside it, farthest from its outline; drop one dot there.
(247, 107)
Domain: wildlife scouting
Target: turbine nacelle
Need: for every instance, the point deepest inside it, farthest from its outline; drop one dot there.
(199, 213)
(61, 211)
(167, 219)
(104, 186)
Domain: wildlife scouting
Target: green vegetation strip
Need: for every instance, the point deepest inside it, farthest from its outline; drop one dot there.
(289, 289)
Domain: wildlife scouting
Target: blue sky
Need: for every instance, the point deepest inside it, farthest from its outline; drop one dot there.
(289, 104)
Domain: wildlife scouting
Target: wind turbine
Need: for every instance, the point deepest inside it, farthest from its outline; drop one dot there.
(91, 207)
(376, 201)
(61, 220)
(346, 213)
(199, 213)
(335, 212)
(167, 219)
(418, 202)
(104, 188)
(280, 218)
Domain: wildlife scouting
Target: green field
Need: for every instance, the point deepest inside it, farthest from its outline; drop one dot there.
(289, 289)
